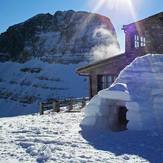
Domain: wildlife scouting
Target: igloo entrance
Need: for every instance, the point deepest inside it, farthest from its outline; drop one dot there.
(117, 117)
(122, 118)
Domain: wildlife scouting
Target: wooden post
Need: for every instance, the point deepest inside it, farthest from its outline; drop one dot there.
(57, 106)
(54, 106)
(83, 103)
(41, 109)
(70, 105)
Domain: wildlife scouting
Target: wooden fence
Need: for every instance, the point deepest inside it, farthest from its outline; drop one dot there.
(55, 105)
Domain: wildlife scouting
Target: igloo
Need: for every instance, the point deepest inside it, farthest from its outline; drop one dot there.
(133, 102)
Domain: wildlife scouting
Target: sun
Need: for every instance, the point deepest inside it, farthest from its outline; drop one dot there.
(117, 6)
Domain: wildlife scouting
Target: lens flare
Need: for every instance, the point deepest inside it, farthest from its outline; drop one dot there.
(117, 6)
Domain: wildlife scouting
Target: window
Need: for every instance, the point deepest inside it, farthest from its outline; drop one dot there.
(140, 41)
(136, 41)
(105, 81)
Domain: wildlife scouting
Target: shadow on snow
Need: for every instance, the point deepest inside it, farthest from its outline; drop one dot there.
(145, 144)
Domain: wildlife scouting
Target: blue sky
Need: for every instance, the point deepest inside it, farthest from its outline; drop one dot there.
(119, 11)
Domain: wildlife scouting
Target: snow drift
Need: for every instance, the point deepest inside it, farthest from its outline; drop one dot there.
(138, 90)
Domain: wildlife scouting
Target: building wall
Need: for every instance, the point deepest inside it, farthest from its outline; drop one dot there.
(152, 30)
(94, 84)
(112, 69)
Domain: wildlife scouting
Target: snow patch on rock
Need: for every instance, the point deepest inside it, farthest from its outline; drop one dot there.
(23, 86)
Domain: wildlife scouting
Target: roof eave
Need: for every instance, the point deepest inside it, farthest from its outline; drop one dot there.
(88, 69)
(140, 21)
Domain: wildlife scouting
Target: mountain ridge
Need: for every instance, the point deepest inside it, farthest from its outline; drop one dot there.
(62, 33)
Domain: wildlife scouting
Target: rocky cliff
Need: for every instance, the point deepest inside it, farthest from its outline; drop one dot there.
(65, 37)
(65, 40)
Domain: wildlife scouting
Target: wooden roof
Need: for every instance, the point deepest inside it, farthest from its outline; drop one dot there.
(158, 15)
(91, 67)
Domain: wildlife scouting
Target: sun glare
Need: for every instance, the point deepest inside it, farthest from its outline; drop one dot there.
(117, 6)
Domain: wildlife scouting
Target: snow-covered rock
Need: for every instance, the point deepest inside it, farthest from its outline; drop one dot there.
(138, 88)
(23, 86)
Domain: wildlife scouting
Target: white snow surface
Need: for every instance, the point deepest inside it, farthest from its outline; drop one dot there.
(138, 87)
(21, 90)
(59, 138)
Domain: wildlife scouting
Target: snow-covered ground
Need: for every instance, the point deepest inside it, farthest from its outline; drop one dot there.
(59, 138)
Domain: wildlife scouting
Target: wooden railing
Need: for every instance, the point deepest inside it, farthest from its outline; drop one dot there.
(55, 105)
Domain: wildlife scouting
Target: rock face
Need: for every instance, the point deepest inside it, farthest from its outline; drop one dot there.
(65, 37)
(142, 96)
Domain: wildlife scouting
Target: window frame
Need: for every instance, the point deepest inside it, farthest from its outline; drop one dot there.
(139, 41)
(136, 40)
(105, 81)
